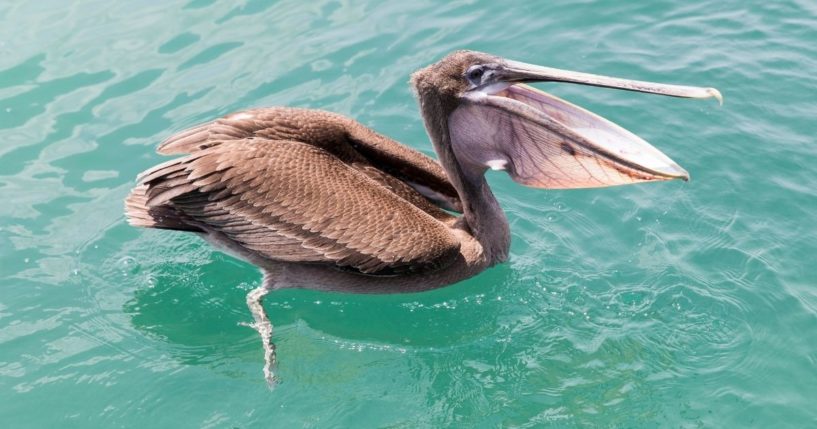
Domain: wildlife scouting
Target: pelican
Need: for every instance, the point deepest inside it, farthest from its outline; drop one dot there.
(319, 201)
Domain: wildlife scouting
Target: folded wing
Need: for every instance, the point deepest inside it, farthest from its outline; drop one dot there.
(290, 201)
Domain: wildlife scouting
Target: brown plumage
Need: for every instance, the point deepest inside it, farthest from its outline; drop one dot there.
(317, 200)
(293, 185)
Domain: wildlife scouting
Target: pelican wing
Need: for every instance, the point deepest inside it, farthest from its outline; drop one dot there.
(292, 201)
(345, 138)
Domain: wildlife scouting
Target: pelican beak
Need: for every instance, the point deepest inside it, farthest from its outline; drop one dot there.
(519, 72)
(546, 142)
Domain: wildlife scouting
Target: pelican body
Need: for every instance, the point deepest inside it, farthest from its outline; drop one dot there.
(319, 201)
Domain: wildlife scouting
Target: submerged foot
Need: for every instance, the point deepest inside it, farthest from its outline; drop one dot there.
(263, 326)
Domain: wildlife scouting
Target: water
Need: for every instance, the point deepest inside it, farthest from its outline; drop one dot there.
(670, 304)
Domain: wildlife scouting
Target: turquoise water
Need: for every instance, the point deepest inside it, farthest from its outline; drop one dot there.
(659, 305)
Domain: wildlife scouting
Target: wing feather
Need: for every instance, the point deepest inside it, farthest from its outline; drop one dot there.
(292, 201)
(345, 138)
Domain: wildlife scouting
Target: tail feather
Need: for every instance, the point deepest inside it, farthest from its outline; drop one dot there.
(140, 214)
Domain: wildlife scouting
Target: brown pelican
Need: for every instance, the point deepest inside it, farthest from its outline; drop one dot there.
(319, 201)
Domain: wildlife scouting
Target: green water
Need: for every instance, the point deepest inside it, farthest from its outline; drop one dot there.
(660, 305)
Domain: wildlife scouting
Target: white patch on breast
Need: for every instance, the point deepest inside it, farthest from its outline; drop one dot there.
(497, 164)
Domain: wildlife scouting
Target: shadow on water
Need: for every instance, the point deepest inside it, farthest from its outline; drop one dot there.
(195, 305)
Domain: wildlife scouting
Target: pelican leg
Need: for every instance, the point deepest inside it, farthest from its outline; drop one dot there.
(263, 326)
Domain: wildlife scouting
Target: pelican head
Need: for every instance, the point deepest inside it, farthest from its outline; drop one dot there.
(479, 109)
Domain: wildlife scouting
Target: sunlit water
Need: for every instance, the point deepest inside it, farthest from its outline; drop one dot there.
(660, 305)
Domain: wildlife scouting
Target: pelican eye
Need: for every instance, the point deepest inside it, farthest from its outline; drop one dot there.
(474, 74)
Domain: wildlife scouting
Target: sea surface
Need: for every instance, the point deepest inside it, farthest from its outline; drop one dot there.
(656, 305)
